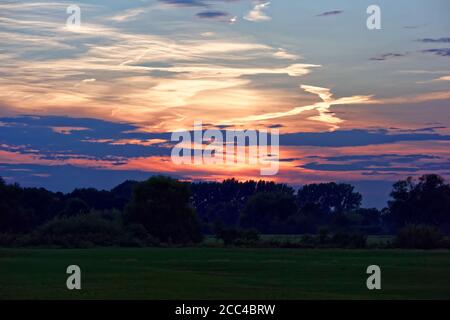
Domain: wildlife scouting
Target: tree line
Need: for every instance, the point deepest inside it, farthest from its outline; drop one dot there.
(162, 210)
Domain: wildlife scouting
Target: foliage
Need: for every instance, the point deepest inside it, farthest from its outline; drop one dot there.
(426, 201)
(233, 236)
(162, 206)
(419, 237)
(329, 197)
(164, 210)
(267, 211)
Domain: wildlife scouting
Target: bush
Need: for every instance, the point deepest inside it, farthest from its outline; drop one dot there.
(84, 231)
(349, 240)
(232, 236)
(419, 237)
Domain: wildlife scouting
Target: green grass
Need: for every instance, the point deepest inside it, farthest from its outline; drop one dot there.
(217, 273)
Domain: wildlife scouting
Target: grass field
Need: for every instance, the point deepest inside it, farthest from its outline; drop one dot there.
(217, 273)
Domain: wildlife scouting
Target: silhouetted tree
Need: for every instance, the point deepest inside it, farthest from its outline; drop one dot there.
(224, 201)
(21, 209)
(329, 197)
(268, 211)
(162, 206)
(74, 207)
(426, 201)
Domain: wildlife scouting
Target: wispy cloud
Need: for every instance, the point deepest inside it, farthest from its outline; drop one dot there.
(128, 15)
(324, 116)
(443, 52)
(185, 3)
(330, 13)
(435, 40)
(283, 54)
(387, 56)
(258, 14)
(212, 14)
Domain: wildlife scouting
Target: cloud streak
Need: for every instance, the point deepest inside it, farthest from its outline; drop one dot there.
(330, 13)
(258, 14)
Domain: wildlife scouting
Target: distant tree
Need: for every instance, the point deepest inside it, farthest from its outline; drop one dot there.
(268, 211)
(224, 201)
(13, 217)
(329, 197)
(426, 201)
(162, 206)
(123, 193)
(362, 219)
(232, 236)
(95, 199)
(74, 207)
(22, 209)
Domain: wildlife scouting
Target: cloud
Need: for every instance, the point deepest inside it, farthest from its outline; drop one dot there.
(282, 54)
(435, 40)
(443, 52)
(68, 130)
(212, 14)
(322, 108)
(257, 14)
(386, 56)
(444, 78)
(440, 79)
(378, 163)
(185, 3)
(140, 77)
(330, 13)
(415, 26)
(414, 98)
(356, 137)
(128, 15)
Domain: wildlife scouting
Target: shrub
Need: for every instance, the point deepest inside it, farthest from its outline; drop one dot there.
(419, 237)
(349, 240)
(84, 231)
(233, 236)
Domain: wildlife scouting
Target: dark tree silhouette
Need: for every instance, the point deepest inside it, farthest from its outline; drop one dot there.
(162, 206)
(224, 201)
(426, 201)
(329, 198)
(74, 207)
(268, 211)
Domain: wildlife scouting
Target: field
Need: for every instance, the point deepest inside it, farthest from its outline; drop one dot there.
(218, 273)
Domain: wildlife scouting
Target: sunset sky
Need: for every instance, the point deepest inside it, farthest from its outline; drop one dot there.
(95, 105)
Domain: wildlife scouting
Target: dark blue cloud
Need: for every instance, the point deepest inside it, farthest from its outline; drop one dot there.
(380, 164)
(212, 14)
(444, 52)
(330, 13)
(65, 178)
(386, 56)
(426, 129)
(36, 133)
(193, 3)
(435, 40)
(354, 138)
(185, 3)
(378, 157)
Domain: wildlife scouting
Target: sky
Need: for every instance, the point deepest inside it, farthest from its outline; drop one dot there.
(95, 105)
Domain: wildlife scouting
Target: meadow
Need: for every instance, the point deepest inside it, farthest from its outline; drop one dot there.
(223, 273)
